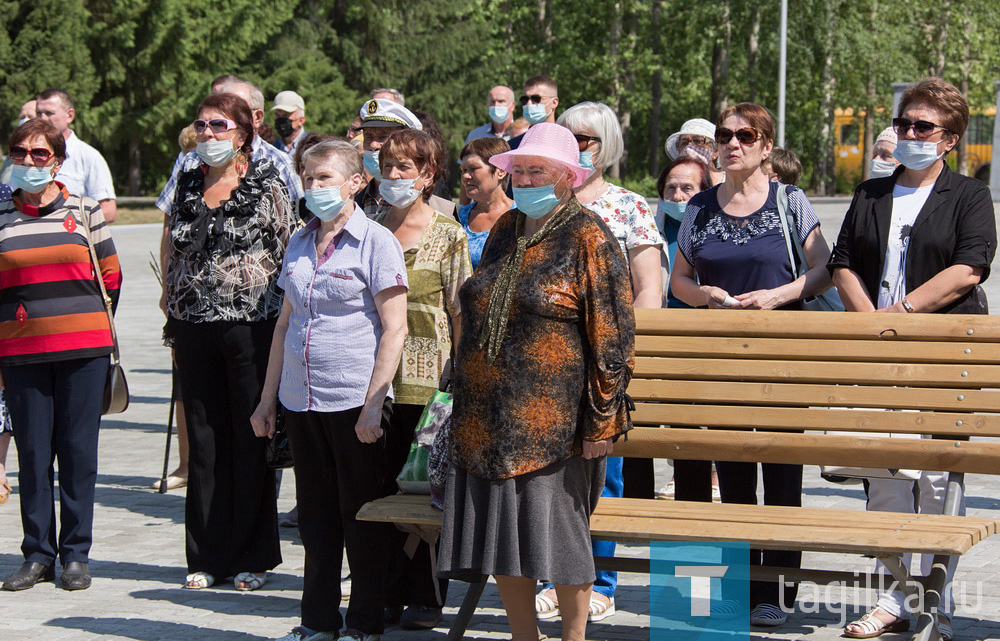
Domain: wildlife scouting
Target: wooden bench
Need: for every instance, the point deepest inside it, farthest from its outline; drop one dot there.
(787, 372)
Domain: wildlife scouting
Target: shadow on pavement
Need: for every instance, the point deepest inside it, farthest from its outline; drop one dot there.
(147, 629)
(223, 599)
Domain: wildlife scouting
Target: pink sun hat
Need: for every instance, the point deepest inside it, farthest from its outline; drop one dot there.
(546, 140)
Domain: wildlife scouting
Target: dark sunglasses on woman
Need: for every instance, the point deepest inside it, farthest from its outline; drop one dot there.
(745, 135)
(38, 154)
(217, 125)
(583, 140)
(921, 128)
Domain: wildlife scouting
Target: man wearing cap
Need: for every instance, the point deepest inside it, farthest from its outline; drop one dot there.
(289, 119)
(696, 139)
(380, 119)
(500, 102)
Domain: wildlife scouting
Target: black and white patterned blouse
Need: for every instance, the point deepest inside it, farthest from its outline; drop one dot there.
(225, 261)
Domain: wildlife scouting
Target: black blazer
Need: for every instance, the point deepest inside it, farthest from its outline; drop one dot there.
(956, 226)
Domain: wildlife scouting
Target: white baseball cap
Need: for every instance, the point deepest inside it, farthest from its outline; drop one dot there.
(289, 101)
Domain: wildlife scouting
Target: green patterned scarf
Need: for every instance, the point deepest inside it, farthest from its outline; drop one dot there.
(498, 312)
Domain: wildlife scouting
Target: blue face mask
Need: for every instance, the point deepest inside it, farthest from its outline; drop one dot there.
(587, 159)
(535, 202)
(535, 113)
(399, 192)
(499, 113)
(325, 202)
(916, 154)
(371, 164)
(215, 153)
(30, 178)
(672, 209)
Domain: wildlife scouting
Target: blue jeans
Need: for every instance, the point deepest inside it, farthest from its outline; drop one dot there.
(606, 582)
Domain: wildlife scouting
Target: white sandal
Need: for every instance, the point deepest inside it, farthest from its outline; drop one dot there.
(545, 606)
(250, 580)
(599, 610)
(870, 626)
(198, 581)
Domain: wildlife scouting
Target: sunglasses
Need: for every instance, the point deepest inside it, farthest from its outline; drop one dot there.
(38, 154)
(921, 128)
(534, 98)
(584, 141)
(699, 141)
(217, 125)
(745, 135)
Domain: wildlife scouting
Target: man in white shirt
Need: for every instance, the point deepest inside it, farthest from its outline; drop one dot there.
(85, 172)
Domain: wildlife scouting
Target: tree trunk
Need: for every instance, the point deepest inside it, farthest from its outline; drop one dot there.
(720, 64)
(936, 37)
(545, 33)
(869, 139)
(965, 67)
(614, 50)
(826, 183)
(625, 115)
(656, 91)
(752, 47)
(134, 167)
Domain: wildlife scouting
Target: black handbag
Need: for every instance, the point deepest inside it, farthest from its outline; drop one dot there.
(115, 386)
(278, 453)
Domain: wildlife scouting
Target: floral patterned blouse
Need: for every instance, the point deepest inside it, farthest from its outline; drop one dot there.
(561, 372)
(225, 261)
(435, 269)
(628, 216)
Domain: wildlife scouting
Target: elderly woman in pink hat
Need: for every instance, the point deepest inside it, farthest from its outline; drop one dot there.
(546, 354)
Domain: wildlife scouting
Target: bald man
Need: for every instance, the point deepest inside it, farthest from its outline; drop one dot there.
(500, 103)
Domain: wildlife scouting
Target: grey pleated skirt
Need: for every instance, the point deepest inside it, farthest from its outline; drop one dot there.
(536, 525)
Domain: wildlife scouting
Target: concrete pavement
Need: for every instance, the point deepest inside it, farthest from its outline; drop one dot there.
(138, 556)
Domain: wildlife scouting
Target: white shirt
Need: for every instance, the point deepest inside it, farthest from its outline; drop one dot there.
(85, 172)
(906, 205)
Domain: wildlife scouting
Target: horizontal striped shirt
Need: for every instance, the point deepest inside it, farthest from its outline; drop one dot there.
(50, 305)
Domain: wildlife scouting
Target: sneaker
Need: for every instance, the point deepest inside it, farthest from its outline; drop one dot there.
(357, 635)
(299, 633)
(420, 617)
(345, 588)
(768, 615)
(291, 519)
(666, 492)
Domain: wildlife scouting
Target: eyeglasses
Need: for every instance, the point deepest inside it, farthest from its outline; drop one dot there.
(584, 141)
(534, 99)
(217, 125)
(745, 135)
(698, 141)
(38, 154)
(921, 128)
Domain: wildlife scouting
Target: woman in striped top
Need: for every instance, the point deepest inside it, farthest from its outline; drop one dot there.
(55, 339)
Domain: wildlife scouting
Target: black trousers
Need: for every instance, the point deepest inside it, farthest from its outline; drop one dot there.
(411, 580)
(782, 486)
(55, 409)
(335, 474)
(638, 478)
(693, 481)
(230, 515)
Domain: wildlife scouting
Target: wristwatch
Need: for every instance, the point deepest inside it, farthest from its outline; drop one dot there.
(907, 306)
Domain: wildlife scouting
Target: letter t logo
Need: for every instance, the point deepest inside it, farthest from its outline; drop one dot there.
(701, 584)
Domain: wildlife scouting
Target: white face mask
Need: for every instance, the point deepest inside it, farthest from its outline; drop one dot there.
(399, 192)
(215, 153)
(881, 168)
(916, 154)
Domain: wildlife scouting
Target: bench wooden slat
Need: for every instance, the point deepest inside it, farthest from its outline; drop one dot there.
(855, 531)
(727, 369)
(975, 457)
(818, 349)
(795, 418)
(785, 324)
(804, 395)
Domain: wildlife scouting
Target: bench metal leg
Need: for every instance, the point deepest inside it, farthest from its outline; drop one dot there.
(468, 608)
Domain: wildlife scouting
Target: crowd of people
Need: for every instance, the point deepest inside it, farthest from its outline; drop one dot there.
(331, 285)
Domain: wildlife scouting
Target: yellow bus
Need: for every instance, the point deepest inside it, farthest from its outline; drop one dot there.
(849, 130)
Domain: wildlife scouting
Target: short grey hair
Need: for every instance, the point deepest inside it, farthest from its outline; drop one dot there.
(599, 120)
(396, 94)
(255, 95)
(340, 154)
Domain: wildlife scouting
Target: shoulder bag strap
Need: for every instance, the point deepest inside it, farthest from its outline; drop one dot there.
(790, 228)
(85, 219)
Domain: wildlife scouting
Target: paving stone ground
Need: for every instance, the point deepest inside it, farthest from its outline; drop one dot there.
(138, 555)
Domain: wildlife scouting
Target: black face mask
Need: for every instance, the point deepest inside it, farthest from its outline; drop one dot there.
(284, 127)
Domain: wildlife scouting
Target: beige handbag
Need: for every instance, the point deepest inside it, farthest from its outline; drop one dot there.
(116, 387)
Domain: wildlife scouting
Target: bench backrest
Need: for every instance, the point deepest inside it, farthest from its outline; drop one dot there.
(832, 372)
